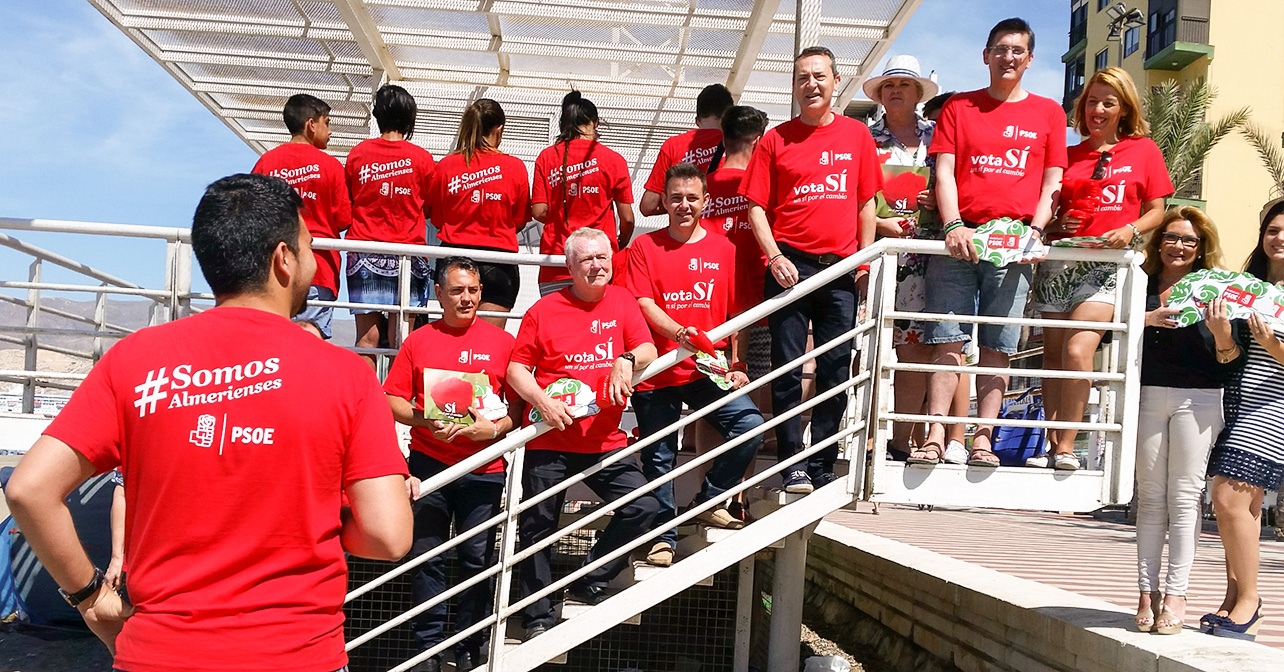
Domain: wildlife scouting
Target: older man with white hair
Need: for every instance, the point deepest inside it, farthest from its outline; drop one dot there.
(574, 360)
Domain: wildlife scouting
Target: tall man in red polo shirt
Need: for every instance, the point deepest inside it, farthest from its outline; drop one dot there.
(684, 278)
(697, 146)
(811, 184)
(318, 177)
(1000, 152)
(591, 332)
(458, 343)
(245, 570)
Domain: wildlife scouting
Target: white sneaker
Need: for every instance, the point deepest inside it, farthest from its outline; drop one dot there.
(1040, 461)
(955, 453)
(1066, 461)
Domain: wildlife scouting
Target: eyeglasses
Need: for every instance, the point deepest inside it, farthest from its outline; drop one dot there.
(1099, 172)
(1184, 241)
(1004, 50)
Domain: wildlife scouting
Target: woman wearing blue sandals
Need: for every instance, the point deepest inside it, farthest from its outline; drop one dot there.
(1249, 456)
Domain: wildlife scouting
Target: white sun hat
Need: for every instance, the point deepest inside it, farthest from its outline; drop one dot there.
(900, 66)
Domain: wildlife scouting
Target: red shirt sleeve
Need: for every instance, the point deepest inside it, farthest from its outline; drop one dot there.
(655, 181)
(526, 349)
(759, 182)
(1158, 184)
(1056, 156)
(870, 180)
(372, 447)
(639, 280)
(622, 190)
(943, 136)
(91, 423)
(400, 381)
(539, 184)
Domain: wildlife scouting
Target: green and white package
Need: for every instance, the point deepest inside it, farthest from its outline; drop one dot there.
(1091, 242)
(581, 399)
(1002, 241)
(1244, 295)
(716, 368)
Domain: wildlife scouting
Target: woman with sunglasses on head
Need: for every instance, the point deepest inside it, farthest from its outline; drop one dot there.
(1134, 182)
(1249, 456)
(1182, 374)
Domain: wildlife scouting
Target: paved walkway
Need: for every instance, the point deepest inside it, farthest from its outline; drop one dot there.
(1072, 552)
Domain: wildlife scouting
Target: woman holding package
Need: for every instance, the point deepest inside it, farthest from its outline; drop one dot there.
(1113, 191)
(1249, 456)
(1182, 374)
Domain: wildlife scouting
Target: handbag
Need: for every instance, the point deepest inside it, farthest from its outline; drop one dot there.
(1013, 445)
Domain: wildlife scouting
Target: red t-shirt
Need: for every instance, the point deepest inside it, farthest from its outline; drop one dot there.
(388, 180)
(727, 213)
(694, 283)
(1000, 152)
(564, 337)
(811, 180)
(696, 147)
(237, 433)
(597, 179)
(479, 348)
(484, 203)
(1136, 174)
(327, 212)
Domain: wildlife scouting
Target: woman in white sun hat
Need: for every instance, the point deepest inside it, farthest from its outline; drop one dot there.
(906, 209)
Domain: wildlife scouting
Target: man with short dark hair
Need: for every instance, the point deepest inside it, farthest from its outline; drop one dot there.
(811, 184)
(582, 343)
(256, 456)
(697, 146)
(684, 279)
(459, 353)
(1000, 152)
(318, 177)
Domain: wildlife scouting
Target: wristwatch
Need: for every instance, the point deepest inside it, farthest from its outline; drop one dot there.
(629, 356)
(84, 593)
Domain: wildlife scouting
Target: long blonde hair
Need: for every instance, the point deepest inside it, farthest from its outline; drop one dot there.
(1132, 122)
(1210, 245)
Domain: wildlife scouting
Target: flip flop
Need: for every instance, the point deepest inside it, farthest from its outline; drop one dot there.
(920, 454)
(979, 458)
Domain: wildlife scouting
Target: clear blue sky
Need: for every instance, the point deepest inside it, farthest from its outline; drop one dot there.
(95, 130)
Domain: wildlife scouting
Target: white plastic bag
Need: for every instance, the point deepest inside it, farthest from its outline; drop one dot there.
(827, 664)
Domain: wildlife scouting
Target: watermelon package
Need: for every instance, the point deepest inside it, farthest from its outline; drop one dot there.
(450, 395)
(581, 398)
(1004, 241)
(714, 366)
(1244, 295)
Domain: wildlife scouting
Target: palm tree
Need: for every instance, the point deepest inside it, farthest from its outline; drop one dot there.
(1176, 115)
(1271, 155)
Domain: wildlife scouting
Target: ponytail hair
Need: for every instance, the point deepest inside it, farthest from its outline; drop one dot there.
(480, 118)
(576, 112)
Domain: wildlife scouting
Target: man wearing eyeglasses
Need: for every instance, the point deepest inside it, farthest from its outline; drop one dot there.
(1000, 152)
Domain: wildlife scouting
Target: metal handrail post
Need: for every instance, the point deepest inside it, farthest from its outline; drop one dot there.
(508, 546)
(30, 345)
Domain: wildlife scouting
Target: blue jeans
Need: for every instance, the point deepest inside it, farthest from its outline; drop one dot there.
(467, 501)
(830, 312)
(317, 316)
(659, 408)
(964, 288)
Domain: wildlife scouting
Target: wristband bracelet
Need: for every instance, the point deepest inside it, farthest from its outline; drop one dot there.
(677, 335)
(1135, 231)
(953, 224)
(1037, 228)
(773, 259)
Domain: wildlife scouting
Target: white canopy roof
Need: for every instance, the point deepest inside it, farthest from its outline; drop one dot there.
(641, 61)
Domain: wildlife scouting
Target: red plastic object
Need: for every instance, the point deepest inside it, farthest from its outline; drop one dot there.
(701, 341)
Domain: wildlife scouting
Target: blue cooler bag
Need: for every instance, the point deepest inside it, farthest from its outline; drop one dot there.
(1013, 445)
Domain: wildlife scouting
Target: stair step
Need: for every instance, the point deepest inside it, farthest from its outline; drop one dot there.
(559, 659)
(771, 501)
(643, 571)
(571, 610)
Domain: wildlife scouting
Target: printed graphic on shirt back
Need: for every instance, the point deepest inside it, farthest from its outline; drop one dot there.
(383, 171)
(296, 177)
(184, 386)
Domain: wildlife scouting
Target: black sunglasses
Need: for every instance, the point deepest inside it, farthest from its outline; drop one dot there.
(1099, 172)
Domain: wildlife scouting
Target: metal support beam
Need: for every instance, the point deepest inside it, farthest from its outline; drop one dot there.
(787, 585)
(855, 79)
(745, 595)
(366, 33)
(759, 25)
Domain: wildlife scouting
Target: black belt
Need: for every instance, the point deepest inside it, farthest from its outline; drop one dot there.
(826, 259)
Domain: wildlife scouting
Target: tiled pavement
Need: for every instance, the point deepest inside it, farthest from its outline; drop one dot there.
(1073, 552)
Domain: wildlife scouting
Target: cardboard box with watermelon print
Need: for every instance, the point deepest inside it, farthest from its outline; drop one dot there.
(449, 396)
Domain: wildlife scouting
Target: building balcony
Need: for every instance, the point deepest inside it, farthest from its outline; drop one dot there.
(1178, 34)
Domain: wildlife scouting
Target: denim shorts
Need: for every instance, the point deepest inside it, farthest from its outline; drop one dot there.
(963, 288)
(318, 316)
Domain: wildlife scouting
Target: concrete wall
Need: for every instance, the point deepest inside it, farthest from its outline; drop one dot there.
(874, 594)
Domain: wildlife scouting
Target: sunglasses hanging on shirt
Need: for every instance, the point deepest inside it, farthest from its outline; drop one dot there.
(1099, 172)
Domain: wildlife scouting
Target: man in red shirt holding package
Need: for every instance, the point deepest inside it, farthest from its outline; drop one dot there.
(684, 279)
(318, 177)
(811, 184)
(256, 456)
(574, 360)
(698, 146)
(1000, 152)
(432, 386)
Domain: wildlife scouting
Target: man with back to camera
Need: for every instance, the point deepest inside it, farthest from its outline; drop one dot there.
(1000, 152)
(696, 146)
(241, 437)
(684, 279)
(811, 184)
(459, 342)
(318, 177)
(592, 332)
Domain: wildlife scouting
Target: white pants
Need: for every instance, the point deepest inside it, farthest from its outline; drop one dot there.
(1176, 428)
